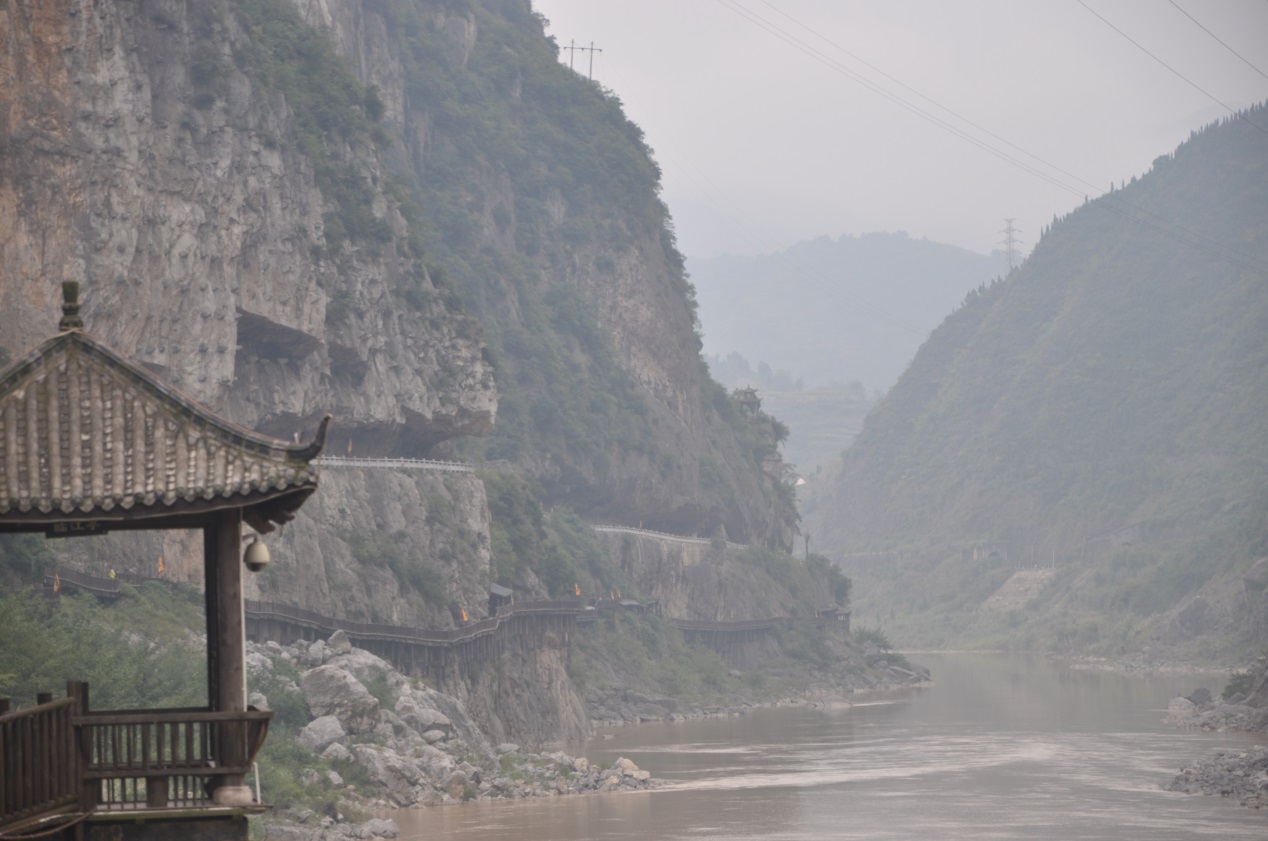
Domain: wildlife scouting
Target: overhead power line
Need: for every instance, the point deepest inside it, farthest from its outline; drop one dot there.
(1109, 202)
(1108, 197)
(1218, 38)
(1192, 83)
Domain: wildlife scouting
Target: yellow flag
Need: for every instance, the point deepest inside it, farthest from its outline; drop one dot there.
(57, 583)
(160, 565)
(576, 588)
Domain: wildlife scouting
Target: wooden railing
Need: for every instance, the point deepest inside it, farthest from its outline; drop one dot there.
(60, 757)
(401, 633)
(158, 759)
(39, 770)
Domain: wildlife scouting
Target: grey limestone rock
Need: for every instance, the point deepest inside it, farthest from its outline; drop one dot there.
(321, 732)
(399, 778)
(339, 642)
(1180, 708)
(332, 691)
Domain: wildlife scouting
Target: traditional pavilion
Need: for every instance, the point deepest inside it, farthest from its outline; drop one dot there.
(89, 443)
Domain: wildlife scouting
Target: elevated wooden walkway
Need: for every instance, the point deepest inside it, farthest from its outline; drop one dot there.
(445, 654)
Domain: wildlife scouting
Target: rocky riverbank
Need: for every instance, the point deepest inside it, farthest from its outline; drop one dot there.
(351, 736)
(616, 707)
(624, 699)
(1201, 711)
(1242, 776)
(1239, 775)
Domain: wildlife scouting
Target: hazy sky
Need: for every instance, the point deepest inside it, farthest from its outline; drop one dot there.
(764, 142)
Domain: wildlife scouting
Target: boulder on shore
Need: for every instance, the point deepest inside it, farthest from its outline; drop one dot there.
(1242, 776)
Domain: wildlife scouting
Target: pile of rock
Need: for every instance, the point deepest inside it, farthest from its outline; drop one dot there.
(535, 775)
(1201, 711)
(418, 747)
(1243, 776)
(300, 828)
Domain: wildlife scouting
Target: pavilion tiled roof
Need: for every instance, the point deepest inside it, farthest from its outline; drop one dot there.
(87, 435)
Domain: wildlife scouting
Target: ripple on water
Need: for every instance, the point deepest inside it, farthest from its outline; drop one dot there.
(1000, 748)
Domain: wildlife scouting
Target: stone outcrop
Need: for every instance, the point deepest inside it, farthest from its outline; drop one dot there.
(394, 547)
(418, 746)
(691, 467)
(332, 692)
(144, 156)
(713, 582)
(1201, 711)
(321, 733)
(526, 694)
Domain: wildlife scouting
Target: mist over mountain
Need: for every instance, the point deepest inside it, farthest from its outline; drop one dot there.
(1078, 457)
(836, 310)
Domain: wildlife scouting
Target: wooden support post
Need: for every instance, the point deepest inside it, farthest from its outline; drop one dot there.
(211, 590)
(89, 790)
(225, 537)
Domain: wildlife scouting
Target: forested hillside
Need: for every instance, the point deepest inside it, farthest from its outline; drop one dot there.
(1101, 415)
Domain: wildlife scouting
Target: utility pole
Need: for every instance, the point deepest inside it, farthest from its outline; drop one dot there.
(1010, 243)
(572, 49)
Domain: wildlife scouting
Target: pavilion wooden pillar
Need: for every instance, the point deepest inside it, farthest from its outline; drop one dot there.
(227, 677)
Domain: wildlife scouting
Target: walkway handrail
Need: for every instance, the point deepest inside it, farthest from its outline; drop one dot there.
(394, 463)
(403, 633)
(264, 610)
(660, 535)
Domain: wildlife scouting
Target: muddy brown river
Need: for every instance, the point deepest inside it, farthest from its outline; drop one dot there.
(1000, 747)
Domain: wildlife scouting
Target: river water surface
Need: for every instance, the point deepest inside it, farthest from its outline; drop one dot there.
(999, 747)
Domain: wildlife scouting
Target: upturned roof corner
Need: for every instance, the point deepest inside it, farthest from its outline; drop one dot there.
(86, 434)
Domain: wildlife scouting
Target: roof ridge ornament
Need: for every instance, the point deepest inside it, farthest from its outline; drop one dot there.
(70, 307)
(308, 452)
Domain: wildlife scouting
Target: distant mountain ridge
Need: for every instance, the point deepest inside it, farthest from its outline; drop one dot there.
(1103, 413)
(836, 310)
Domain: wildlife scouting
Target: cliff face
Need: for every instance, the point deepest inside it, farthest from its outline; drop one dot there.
(286, 208)
(539, 200)
(713, 583)
(526, 694)
(145, 154)
(374, 209)
(382, 546)
(391, 547)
